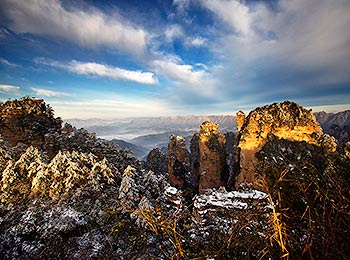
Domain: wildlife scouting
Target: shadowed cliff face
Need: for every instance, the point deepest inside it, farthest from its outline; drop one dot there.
(285, 120)
(157, 161)
(178, 161)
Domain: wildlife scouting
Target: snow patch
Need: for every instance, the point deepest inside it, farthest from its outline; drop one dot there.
(171, 191)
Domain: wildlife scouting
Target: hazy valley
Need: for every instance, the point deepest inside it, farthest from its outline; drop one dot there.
(141, 135)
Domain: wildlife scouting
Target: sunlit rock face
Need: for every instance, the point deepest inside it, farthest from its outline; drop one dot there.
(178, 161)
(212, 168)
(285, 120)
(240, 117)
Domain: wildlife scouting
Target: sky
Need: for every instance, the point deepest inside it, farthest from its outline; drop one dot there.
(112, 59)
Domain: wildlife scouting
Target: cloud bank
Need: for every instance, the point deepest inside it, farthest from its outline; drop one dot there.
(89, 28)
(287, 49)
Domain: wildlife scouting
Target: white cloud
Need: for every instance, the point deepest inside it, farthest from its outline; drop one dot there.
(185, 75)
(101, 70)
(300, 41)
(198, 41)
(178, 72)
(49, 93)
(92, 68)
(302, 33)
(89, 28)
(181, 12)
(7, 63)
(174, 32)
(9, 89)
(233, 12)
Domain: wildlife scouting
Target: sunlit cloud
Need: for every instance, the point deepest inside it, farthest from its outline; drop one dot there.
(101, 70)
(9, 89)
(92, 68)
(186, 75)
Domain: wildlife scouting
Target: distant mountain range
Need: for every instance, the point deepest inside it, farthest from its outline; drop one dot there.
(129, 128)
(327, 119)
(140, 135)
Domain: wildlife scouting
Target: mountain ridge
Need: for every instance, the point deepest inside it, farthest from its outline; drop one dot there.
(66, 194)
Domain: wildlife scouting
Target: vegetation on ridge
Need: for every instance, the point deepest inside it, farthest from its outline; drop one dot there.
(74, 196)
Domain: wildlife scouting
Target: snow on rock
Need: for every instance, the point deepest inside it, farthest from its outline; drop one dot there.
(173, 195)
(218, 213)
(171, 191)
(228, 200)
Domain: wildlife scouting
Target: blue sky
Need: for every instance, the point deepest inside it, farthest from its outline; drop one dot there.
(109, 59)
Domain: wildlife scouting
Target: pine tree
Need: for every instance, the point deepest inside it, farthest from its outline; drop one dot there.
(129, 195)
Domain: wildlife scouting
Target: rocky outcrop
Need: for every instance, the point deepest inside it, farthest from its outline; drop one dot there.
(232, 160)
(341, 134)
(27, 121)
(240, 117)
(241, 215)
(157, 161)
(195, 156)
(285, 120)
(220, 202)
(211, 158)
(178, 161)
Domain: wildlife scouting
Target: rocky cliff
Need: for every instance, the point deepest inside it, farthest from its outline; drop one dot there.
(341, 134)
(240, 117)
(212, 168)
(28, 121)
(178, 161)
(285, 120)
(157, 162)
